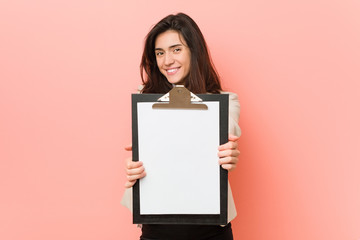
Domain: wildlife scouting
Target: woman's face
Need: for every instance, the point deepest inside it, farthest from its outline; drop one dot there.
(172, 56)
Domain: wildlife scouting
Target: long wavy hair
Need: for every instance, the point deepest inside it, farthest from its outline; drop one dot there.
(202, 77)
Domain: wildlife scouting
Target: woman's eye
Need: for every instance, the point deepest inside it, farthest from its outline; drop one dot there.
(159, 53)
(177, 49)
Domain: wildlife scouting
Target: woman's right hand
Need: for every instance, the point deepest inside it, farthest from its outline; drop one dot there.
(134, 170)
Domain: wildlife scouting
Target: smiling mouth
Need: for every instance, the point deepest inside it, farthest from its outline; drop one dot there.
(172, 71)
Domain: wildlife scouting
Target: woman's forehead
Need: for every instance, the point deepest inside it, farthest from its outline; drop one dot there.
(168, 39)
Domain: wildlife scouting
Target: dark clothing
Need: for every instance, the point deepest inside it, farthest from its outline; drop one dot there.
(185, 232)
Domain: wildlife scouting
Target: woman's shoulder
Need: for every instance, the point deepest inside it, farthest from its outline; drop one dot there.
(232, 96)
(234, 113)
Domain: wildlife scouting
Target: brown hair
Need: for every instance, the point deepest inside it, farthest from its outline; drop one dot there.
(202, 77)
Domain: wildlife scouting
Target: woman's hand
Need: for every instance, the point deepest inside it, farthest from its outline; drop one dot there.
(134, 170)
(228, 153)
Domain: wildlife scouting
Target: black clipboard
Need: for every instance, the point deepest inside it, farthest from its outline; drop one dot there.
(176, 203)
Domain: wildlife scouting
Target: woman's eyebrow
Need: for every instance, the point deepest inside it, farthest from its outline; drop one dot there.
(172, 46)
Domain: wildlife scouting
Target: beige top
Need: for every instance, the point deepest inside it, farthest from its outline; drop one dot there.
(234, 129)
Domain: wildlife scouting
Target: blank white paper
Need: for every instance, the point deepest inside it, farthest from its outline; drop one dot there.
(179, 151)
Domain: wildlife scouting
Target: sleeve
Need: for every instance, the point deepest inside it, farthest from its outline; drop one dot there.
(234, 114)
(127, 199)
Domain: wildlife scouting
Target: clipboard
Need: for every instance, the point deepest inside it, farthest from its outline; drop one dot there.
(176, 136)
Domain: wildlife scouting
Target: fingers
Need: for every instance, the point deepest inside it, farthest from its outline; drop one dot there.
(228, 160)
(229, 167)
(228, 163)
(134, 177)
(233, 138)
(134, 171)
(228, 145)
(228, 153)
(128, 147)
(131, 164)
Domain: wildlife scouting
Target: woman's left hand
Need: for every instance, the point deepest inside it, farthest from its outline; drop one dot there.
(228, 153)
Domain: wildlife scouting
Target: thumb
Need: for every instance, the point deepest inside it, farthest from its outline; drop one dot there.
(233, 138)
(128, 147)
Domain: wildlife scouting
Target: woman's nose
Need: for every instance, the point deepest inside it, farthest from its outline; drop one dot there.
(169, 59)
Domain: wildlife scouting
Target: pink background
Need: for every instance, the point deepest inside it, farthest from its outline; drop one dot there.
(67, 69)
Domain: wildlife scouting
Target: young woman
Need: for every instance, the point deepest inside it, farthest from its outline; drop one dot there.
(175, 52)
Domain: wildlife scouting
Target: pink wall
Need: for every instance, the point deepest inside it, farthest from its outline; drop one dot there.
(67, 69)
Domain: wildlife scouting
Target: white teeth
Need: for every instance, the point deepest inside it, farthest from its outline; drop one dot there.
(171, 70)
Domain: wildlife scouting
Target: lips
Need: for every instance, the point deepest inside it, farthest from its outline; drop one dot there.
(172, 71)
